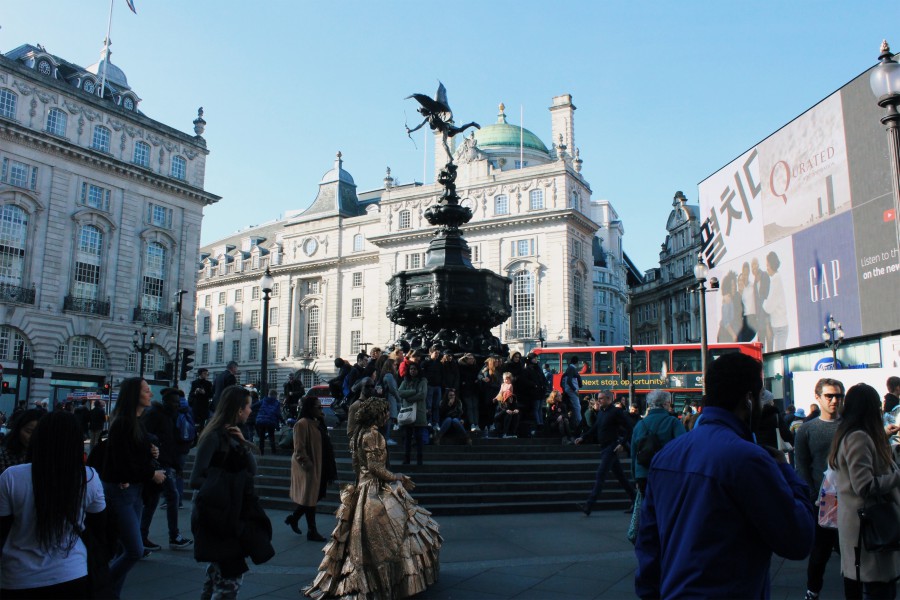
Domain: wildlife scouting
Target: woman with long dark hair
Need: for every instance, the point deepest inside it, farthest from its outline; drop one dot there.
(216, 538)
(129, 463)
(15, 446)
(413, 391)
(861, 456)
(42, 510)
(312, 466)
(385, 545)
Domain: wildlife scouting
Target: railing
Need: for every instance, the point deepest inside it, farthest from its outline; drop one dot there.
(86, 305)
(521, 333)
(152, 317)
(15, 293)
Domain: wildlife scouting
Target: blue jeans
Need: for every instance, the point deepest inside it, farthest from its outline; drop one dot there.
(452, 424)
(125, 507)
(179, 476)
(609, 460)
(433, 404)
(575, 404)
(170, 491)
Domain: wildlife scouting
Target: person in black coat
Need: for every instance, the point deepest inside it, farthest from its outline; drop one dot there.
(531, 389)
(199, 397)
(225, 379)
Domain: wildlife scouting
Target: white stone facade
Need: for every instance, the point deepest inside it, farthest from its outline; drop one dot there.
(532, 223)
(100, 215)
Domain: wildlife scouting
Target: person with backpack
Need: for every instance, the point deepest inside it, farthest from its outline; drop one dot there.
(655, 430)
(185, 437)
(267, 420)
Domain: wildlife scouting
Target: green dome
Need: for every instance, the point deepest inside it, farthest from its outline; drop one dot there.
(503, 134)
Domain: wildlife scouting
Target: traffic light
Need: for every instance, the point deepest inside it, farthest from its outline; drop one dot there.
(4, 388)
(187, 362)
(106, 387)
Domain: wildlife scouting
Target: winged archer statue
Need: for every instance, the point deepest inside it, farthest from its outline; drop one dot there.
(438, 116)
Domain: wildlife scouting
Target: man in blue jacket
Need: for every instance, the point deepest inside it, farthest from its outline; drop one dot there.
(717, 504)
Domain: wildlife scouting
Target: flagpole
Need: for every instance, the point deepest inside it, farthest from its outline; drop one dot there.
(425, 158)
(521, 136)
(106, 50)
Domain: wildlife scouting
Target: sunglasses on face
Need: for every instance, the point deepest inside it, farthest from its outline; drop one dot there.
(833, 396)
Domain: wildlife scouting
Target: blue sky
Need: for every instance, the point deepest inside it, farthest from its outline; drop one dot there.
(667, 92)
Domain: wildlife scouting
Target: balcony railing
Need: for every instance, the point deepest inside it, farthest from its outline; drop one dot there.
(15, 293)
(152, 317)
(86, 305)
(521, 333)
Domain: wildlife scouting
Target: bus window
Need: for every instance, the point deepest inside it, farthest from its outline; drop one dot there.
(623, 360)
(551, 359)
(585, 358)
(686, 361)
(603, 362)
(680, 399)
(716, 353)
(658, 358)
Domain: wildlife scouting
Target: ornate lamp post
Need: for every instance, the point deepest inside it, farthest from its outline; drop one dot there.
(833, 336)
(885, 83)
(139, 342)
(266, 283)
(701, 273)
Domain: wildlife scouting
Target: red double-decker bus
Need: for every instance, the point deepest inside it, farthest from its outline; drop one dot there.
(672, 367)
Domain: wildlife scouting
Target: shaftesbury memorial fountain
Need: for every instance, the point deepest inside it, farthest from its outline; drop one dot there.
(448, 303)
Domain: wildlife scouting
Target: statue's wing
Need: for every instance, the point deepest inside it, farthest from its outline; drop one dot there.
(441, 95)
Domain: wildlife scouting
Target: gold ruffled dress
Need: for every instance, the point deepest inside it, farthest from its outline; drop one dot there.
(385, 545)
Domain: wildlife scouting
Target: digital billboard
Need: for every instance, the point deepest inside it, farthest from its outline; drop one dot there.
(802, 226)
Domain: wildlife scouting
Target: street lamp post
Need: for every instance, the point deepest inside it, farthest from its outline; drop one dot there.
(833, 336)
(885, 83)
(265, 284)
(629, 308)
(701, 272)
(139, 342)
(175, 365)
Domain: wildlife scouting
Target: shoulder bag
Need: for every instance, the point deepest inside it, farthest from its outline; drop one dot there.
(407, 415)
(879, 523)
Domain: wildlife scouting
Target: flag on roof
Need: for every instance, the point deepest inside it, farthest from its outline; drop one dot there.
(130, 4)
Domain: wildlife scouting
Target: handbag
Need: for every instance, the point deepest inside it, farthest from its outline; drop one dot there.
(783, 446)
(879, 524)
(828, 501)
(635, 524)
(407, 415)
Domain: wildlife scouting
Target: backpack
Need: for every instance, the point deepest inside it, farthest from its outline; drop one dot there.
(185, 430)
(649, 445)
(345, 387)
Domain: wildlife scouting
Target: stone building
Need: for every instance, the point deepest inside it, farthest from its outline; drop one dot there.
(534, 221)
(664, 309)
(100, 211)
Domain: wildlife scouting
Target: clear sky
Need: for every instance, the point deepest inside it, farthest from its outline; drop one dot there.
(667, 92)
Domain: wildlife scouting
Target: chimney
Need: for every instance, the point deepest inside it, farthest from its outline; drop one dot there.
(562, 121)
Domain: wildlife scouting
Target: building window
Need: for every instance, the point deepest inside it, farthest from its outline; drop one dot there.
(536, 199)
(273, 347)
(601, 317)
(207, 301)
(501, 205)
(358, 242)
(577, 299)
(159, 216)
(11, 351)
(523, 247)
(521, 164)
(239, 295)
(476, 253)
(220, 322)
(523, 304)
(356, 308)
(7, 104)
(81, 352)
(13, 235)
(204, 354)
(576, 249)
(601, 337)
(312, 330)
(273, 316)
(414, 261)
(236, 350)
(405, 219)
(357, 279)
(574, 200)
(101, 138)
(254, 319)
(154, 277)
(19, 174)
(355, 339)
(272, 376)
(206, 323)
(221, 298)
(56, 122)
(87, 263)
(95, 196)
(276, 289)
(254, 349)
(220, 352)
(236, 322)
(254, 293)
(179, 167)
(142, 154)
(313, 287)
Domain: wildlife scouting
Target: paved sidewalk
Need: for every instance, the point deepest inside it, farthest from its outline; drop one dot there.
(545, 556)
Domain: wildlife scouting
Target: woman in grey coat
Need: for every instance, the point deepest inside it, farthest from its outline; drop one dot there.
(860, 456)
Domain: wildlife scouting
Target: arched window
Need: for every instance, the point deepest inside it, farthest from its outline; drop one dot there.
(575, 200)
(81, 352)
(101, 138)
(142, 154)
(577, 300)
(312, 330)
(405, 219)
(10, 342)
(536, 199)
(88, 258)
(501, 205)
(154, 277)
(7, 103)
(56, 122)
(179, 167)
(523, 304)
(13, 235)
(358, 241)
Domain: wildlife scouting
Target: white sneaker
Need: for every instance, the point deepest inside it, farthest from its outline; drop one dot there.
(396, 427)
(391, 442)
